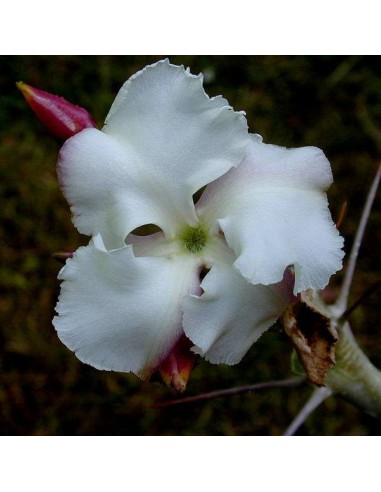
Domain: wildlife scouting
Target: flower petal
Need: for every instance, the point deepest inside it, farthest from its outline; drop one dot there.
(274, 212)
(163, 140)
(119, 312)
(231, 314)
(97, 177)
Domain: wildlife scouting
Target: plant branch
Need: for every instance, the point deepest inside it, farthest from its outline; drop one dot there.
(316, 399)
(283, 383)
(369, 127)
(373, 288)
(342, 301)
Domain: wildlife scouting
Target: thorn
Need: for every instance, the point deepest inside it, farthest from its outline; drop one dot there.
(62, 256)
(342, 214)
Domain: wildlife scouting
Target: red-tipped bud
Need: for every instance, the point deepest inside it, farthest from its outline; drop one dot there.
(60, 117)
(177, 366)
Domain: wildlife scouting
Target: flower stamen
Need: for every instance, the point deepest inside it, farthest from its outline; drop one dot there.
(194, 238)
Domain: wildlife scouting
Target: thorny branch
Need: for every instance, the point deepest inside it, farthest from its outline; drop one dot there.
(369, 291)
(316, 399)
(342, 301)
(283, 383)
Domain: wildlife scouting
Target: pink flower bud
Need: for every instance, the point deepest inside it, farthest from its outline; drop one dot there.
(176, 368)
(60, 117)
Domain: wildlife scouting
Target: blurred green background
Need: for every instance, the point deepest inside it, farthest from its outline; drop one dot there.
(333, 102)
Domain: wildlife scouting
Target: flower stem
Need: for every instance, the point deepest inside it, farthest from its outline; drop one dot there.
(354, 377)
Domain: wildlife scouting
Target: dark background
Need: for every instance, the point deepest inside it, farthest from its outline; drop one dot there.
(333, 102)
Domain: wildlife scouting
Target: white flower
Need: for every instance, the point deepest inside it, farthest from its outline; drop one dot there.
(127, 299)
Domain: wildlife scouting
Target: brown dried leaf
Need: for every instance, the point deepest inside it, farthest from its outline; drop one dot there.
(313, 336)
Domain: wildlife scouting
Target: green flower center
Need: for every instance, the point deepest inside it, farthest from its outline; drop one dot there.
(194, 238)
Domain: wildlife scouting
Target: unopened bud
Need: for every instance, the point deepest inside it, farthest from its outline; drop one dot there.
(177, 366)
(59, 116)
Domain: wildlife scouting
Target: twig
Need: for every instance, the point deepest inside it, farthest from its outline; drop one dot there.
(343, 211)
(369, 127)
(234, 391)
(340, 72)
(342, 301)
(316, 399)
(359, 301)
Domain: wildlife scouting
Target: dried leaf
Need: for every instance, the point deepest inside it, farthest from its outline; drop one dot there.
(313, 336)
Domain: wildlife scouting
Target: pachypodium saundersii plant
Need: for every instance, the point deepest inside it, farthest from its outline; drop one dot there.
(218, 271)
